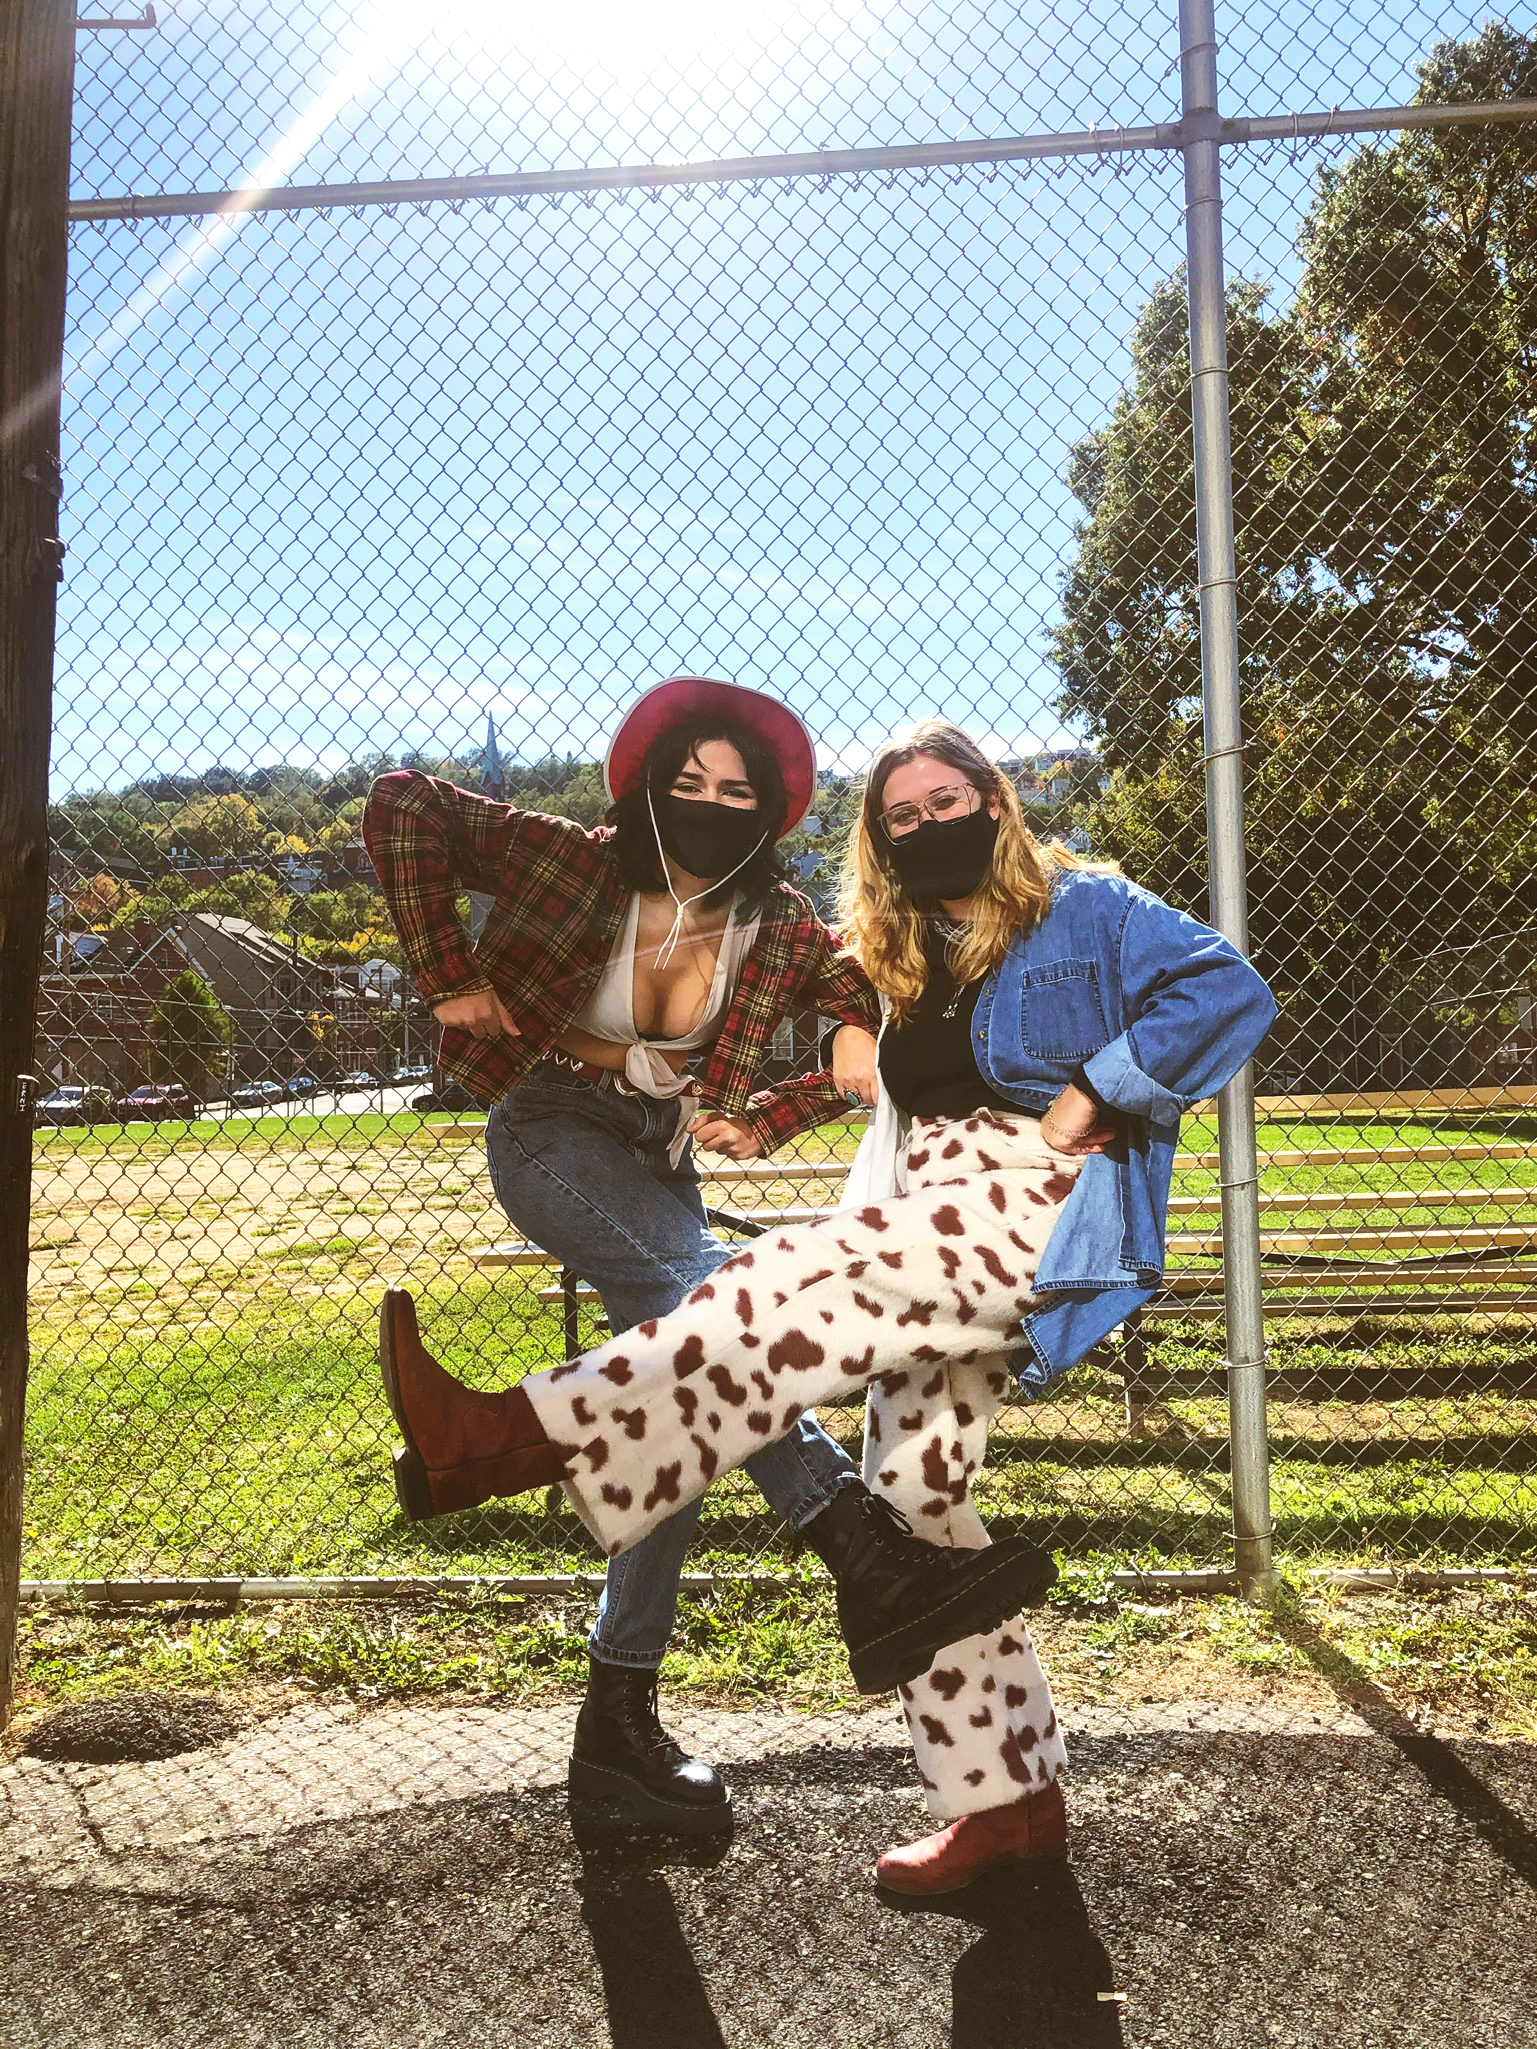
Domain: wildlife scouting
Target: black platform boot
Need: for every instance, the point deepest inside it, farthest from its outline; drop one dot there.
(627, 1771)
(901, 1601)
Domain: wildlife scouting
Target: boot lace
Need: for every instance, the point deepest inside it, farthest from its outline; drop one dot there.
(646, 1722)
(887, 1518)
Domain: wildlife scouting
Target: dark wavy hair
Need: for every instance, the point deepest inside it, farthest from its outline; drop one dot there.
(640, 860)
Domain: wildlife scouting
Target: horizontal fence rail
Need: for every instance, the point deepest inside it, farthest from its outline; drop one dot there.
(1090, 142)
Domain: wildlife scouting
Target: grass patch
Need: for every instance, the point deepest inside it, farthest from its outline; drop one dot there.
(216, 1434)
(1464, 1660)
(364, 1130)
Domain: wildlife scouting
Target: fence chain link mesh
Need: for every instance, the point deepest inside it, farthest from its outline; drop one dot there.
(448, 484)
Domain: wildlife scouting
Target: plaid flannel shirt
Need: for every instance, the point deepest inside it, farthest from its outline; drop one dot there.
(557, 905)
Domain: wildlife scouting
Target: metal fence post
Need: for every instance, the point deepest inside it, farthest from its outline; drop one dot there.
(37, 67)
(1206, 286)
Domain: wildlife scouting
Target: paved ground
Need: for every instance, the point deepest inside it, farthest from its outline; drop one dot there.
(408, 1877)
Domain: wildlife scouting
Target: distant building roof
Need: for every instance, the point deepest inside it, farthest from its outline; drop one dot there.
(272, 950)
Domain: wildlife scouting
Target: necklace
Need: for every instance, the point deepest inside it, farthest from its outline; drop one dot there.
(949, 930)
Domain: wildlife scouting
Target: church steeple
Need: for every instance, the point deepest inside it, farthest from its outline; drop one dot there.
(491, 780)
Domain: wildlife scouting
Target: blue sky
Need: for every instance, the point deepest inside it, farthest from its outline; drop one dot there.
(347, 482)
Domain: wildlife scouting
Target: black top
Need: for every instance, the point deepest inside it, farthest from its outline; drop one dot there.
(927, 1064)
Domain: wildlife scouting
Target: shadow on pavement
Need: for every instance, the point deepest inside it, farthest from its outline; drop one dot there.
(1033, 1977)
(651, 1984)
(1444, 1772)
(1263, 1885)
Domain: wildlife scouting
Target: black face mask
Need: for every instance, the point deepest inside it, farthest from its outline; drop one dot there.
(707, 839)
(947, 860)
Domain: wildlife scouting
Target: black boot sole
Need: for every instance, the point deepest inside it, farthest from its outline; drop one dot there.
(411, 1489)
(605, 1798)
(1014, 1577)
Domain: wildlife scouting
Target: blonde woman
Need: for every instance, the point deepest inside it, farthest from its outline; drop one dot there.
(1046, 1025)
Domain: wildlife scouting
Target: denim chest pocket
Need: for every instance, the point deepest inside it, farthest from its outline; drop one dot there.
(1062, 1016)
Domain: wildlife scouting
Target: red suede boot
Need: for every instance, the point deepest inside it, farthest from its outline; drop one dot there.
(1033, 1827)
(462, 1447)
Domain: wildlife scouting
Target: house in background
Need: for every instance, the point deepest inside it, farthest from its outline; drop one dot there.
(95, 999)
(269, 989)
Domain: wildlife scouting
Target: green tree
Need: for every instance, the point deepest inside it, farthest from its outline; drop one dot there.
(1385, 496)
(243, 893)
(189, 1033)
(219, 828)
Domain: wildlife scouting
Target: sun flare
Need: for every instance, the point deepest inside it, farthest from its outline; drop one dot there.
(626, 36)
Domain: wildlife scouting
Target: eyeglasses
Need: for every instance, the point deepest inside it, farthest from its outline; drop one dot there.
(950, 800)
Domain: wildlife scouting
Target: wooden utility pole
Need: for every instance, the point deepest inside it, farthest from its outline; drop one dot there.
(37, 69)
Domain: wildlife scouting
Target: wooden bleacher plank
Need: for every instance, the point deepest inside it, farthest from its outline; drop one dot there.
(750, 1171)
(1370, 1199)
(1393, 1303)
(1363, 1381)
(1211, 1286)
(1402, 1102)
(509, 1254)
(1277, 1243)
(1390, 1273)
(1430, 1154)
(1367, 1156)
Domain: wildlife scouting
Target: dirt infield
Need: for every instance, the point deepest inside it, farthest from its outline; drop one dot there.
(103, 1218)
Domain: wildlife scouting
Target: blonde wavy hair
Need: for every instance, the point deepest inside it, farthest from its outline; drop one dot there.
(883, 927)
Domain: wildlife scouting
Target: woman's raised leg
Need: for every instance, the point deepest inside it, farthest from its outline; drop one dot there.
(647, 1420)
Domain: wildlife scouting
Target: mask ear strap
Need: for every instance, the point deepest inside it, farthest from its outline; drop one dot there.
(669, 945)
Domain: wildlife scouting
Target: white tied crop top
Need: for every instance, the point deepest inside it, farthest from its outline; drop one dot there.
(609, 1012)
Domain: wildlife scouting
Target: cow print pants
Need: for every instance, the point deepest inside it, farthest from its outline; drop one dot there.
(915, 1298)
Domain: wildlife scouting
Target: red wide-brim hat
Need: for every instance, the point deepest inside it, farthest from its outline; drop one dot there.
(690, 697)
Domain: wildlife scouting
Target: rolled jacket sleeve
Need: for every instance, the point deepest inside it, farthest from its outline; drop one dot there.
(1198, 1011)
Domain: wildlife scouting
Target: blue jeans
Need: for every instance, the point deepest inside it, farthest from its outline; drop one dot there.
(582, 1170)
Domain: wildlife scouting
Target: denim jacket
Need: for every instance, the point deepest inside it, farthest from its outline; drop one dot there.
(1158, 1010)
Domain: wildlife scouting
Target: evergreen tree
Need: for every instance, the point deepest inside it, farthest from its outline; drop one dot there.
(189, 1034)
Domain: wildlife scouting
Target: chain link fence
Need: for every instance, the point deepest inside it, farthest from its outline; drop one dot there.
(446, 481)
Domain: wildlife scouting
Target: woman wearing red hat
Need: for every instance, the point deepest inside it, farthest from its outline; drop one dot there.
(1047, 1024)
(618, 1005)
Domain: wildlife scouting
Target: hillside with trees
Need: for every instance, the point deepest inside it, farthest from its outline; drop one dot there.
(224, 840)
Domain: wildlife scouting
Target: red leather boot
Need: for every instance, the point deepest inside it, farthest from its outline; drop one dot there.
(1033, 1827)
(462, 1447)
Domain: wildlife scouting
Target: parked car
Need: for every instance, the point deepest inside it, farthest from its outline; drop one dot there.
(74, 1103)
(259, 1095)
(445, 1095)
(303, 1085)
(154, 1101)
(405, 1074)
(359, 1078)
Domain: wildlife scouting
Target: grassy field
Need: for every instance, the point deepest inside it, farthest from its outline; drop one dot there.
(204, 1397)
(255, 1135)
(204, 1402)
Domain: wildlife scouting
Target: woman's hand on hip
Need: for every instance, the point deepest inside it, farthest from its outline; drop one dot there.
(1075, 1123)
(855, 1074)
(713, 1133)
(483, 1015)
